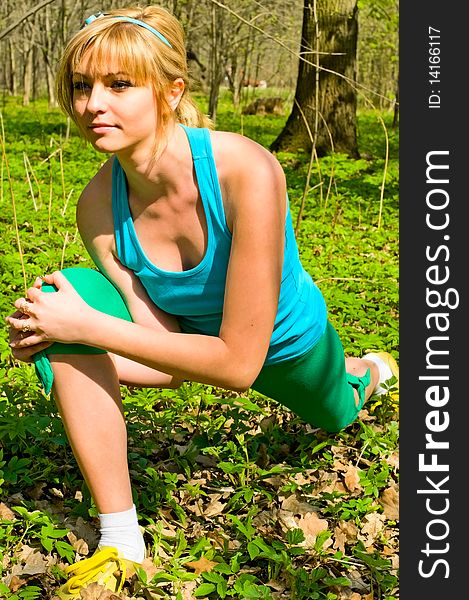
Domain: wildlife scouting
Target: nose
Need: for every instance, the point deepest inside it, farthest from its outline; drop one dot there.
(97, 99)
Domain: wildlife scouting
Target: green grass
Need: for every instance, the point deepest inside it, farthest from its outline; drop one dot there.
(239, 497)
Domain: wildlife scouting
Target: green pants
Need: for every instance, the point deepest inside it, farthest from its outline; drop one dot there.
(315, 386)
(98, 292)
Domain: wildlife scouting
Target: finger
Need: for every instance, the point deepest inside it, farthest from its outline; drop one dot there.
(28, 341)
(15, 335)
(33, 294)
(15, 315)
(24, 306)
(58, 279)
(27, 354)
(23, 333)
(18, 323)
(38, 283)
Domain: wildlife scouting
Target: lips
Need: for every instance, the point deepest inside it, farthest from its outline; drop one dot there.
(98, 126)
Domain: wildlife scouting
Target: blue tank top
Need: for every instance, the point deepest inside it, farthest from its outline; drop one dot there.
(195, 296)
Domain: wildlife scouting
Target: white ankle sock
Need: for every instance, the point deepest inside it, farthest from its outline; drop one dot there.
(384, 369)
(121, 530)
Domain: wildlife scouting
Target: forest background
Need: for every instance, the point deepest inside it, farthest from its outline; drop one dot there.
(239, 498)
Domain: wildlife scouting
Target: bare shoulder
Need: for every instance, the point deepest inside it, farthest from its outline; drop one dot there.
(238, 158)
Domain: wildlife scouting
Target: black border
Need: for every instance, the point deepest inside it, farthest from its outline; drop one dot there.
(422, 130)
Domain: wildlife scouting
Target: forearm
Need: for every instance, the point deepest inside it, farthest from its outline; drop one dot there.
(202, 358)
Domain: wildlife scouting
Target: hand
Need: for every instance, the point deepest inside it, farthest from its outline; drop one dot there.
(48, 317)
(25, 354)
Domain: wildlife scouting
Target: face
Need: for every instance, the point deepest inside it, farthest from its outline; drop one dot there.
(113, 113)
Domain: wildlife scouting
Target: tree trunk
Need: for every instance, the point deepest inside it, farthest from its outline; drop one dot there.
(395, 120)
(327, 100)
(28, 77)
(217, 70)
(13, 83)
(47, 51)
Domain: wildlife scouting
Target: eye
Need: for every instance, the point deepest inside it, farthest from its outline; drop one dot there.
(80, 86)
(121, 84)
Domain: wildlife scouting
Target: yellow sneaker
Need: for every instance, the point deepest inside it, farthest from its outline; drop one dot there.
(106, 567)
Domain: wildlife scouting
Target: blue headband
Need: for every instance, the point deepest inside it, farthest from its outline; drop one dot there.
(130, 20)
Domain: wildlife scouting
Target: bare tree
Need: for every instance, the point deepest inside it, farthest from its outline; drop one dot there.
(228, 42)
(325, 98)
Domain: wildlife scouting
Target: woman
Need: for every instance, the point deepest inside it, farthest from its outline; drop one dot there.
(192, 228)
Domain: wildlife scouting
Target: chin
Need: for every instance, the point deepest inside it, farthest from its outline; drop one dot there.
(105, 146)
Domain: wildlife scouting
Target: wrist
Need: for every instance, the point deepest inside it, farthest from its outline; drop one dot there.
(88, 326)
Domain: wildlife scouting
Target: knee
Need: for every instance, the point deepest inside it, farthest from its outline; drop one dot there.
(334, 414)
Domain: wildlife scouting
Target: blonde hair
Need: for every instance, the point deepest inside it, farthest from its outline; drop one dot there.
(140, 53)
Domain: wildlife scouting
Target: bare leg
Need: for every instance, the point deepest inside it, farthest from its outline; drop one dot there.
(358, 367)
(86, 390)
(87, 393)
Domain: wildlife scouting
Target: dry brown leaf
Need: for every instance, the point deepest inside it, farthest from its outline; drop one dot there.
(339, 466)
(6, 513)
(275, 481)
(287, 519)
(187, 589)
(215, 507)
(304, 477)
(37, 491)
(216, 537)
(311, 525)
(149, 567)
(201, 566)
(352, 479)
(357, 582)
(16, 583)
(162, 553)
(85, 531)
(94, 591)
(374, 524)
(328, 482)
(389, 500)
(17, 498)
(348, 594)
(265, 517)
(297, 507)
(56, 507)
(23, 554)
(276, 585)
(34, 564)
(365, 416)
(339, 539)
(393, 460)
(267, 423)
(79, 545)
(345, 532)
(196, 509)
(206, 461)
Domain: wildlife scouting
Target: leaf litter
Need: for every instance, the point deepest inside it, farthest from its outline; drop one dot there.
(284, 510)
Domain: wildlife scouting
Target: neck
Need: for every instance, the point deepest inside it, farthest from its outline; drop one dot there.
(150, 177)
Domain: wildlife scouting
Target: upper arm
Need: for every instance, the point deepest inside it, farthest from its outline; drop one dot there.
(96, 228)
(255, 192)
